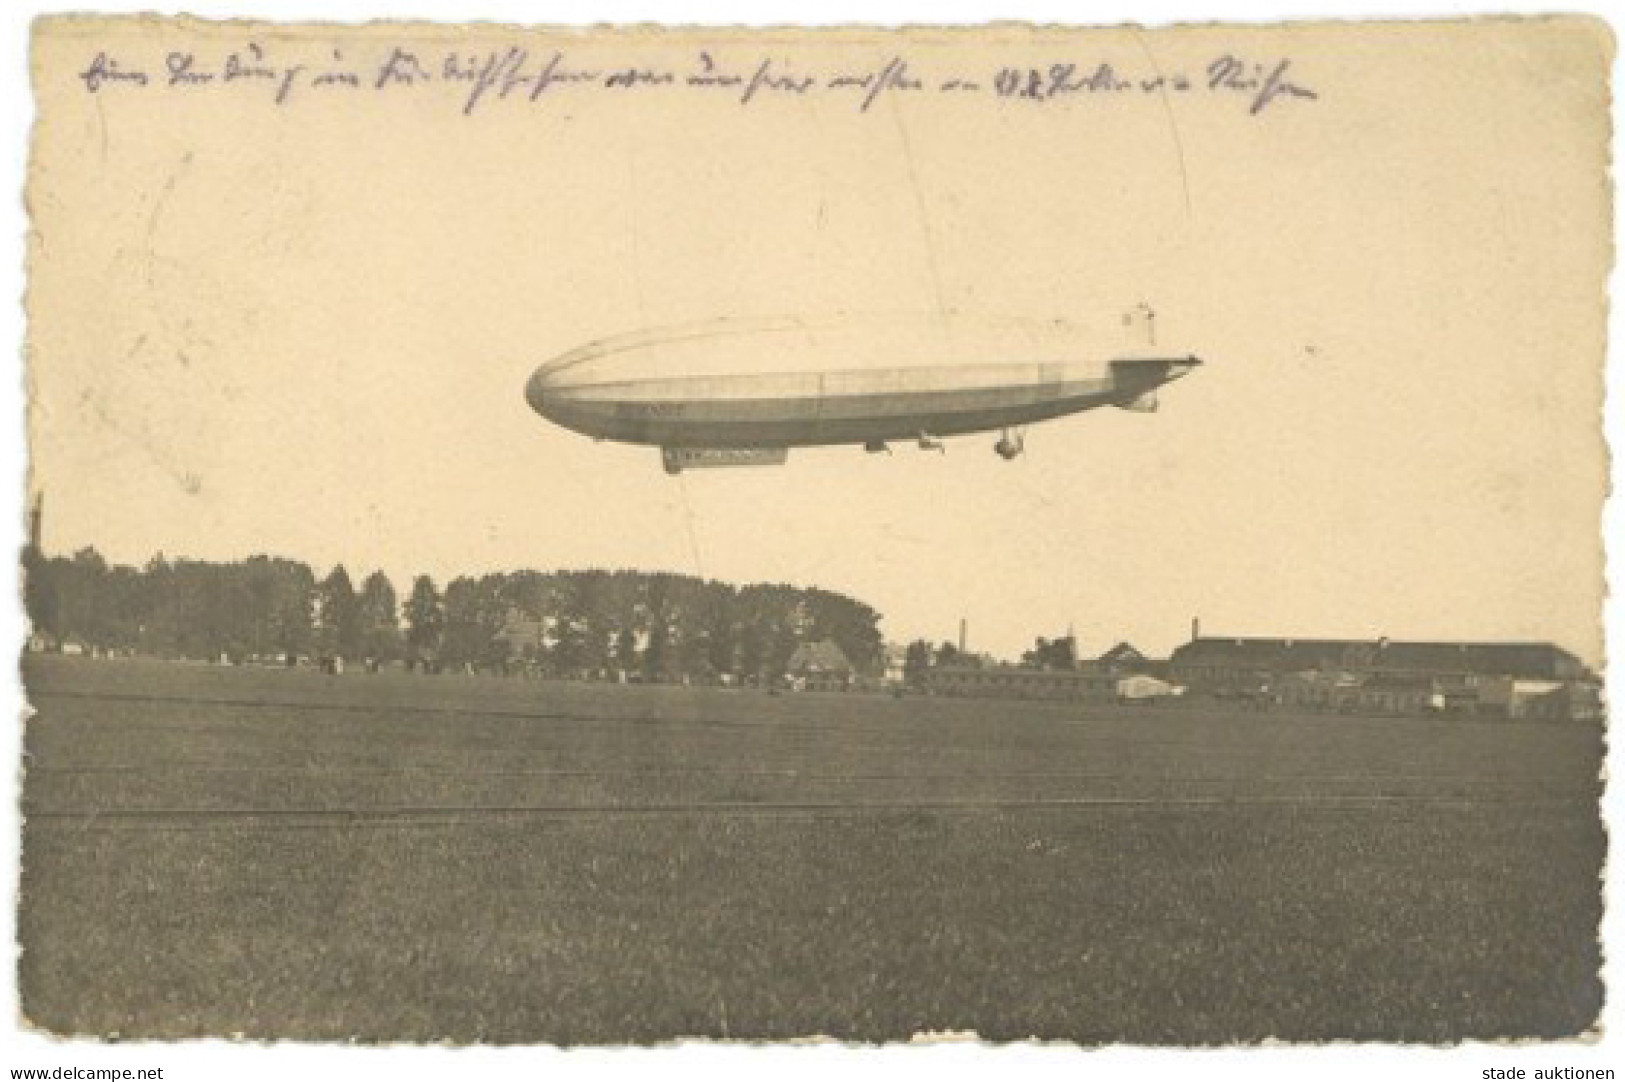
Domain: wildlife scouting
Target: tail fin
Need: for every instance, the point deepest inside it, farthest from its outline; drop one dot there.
(1136, 379)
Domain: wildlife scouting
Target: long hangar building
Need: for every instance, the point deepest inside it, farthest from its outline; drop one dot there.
(1523, 680)
(1514, 680)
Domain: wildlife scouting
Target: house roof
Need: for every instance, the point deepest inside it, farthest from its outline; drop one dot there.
(521, 632)
(822, 656)
(1122, 653)
(1494, 658)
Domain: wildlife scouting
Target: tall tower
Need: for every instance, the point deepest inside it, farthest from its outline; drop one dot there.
(36, 524)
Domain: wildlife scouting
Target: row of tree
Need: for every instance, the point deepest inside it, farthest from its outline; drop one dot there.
(568, 623)
(920, 656)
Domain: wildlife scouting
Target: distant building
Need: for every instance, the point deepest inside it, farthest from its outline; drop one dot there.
(1095, 681)
(1238, 662)
(820, 666)
(523, 636)
(895, 659)
(1090, 681)
(1385, 677)
(1577, 700)
(1124, 658)
(1396, 693)
(1317, 690)
(1545, 700)
(1141, 688)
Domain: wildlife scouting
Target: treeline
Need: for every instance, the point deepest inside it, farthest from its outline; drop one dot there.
(564, 623)
(919, 657)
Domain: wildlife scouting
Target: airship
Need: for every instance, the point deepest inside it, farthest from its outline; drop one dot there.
(735, 392)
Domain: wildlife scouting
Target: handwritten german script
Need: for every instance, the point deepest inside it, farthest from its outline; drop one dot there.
(476, 80)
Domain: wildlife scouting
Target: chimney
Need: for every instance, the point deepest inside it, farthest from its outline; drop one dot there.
(36, 523)
(1196, 628)
(961, 634)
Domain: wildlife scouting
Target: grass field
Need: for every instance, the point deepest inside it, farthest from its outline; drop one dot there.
(211, 851)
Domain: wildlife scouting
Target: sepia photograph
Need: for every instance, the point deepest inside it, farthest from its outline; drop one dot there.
(639, 534)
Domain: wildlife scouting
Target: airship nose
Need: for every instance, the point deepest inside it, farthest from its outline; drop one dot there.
(536, 390)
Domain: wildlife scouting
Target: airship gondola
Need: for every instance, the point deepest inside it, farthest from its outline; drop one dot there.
(737, 393)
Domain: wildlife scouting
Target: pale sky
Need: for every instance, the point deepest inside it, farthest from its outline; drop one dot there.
(305, 329)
